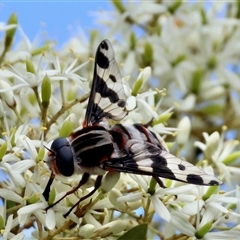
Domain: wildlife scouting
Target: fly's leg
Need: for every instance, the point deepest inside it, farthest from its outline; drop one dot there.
(47, 189)
(84, 180)
(159, 181)
(96, 187)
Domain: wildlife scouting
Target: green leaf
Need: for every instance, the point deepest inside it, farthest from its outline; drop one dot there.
(137, 233)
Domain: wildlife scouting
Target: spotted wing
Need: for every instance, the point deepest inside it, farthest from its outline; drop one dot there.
(147, 159)
(107, 98)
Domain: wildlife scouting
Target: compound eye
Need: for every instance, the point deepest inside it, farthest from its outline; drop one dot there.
(64, 156)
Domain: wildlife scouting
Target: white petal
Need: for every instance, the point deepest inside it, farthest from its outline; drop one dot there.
(193, 208)
(131, 103)
(131, 197)
(160, 208)
(19, 236)
(10, 195)
(182, 224)
(31, 208)
(50, 219)
(27, 143)
(23, 166)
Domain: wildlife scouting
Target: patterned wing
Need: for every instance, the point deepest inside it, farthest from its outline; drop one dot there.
(107, 98)
(147, 159)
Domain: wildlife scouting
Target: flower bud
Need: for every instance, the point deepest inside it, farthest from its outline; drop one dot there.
(137, 86)
(29, 66)
(110, 181)
(232, 157)
(2, 225)
(178, 60)
(162, 118)
(40, 50)
(148, 54)
(188, 103)
(10, 32)
(52, 196)
(212, 109)
(212, 145)
(2, 112)
(203, 230)
(41, 154)
(143, 76)
(134, 205)
(113, 227)
(211, 190)
(7, 96)
(66, 129)
(133, 41)
(211, 92)
(152, 186)
(113, 195)
(184, 127)
(173, 8)
(119, 6)
(34, 198)
(3, 150)
(197, 78)
(131, 103)
(87, 230)
(46, 91)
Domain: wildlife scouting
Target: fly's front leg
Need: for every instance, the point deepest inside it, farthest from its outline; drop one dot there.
(84, 180)
(47, 189)
(96, 187)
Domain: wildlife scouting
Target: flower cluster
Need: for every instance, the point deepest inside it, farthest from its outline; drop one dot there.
(184, 54)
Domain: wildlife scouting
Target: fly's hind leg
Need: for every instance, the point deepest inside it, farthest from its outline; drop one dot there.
(96, 187)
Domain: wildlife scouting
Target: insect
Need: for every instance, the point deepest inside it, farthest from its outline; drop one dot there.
(96, 149)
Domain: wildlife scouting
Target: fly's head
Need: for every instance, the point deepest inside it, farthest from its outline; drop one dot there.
(60, 158)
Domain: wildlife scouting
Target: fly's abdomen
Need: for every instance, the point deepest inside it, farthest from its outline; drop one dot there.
(122, 133)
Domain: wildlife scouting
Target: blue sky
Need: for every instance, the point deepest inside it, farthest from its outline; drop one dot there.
(60, 17)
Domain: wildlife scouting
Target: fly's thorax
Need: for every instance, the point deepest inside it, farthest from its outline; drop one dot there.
(91, 146)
